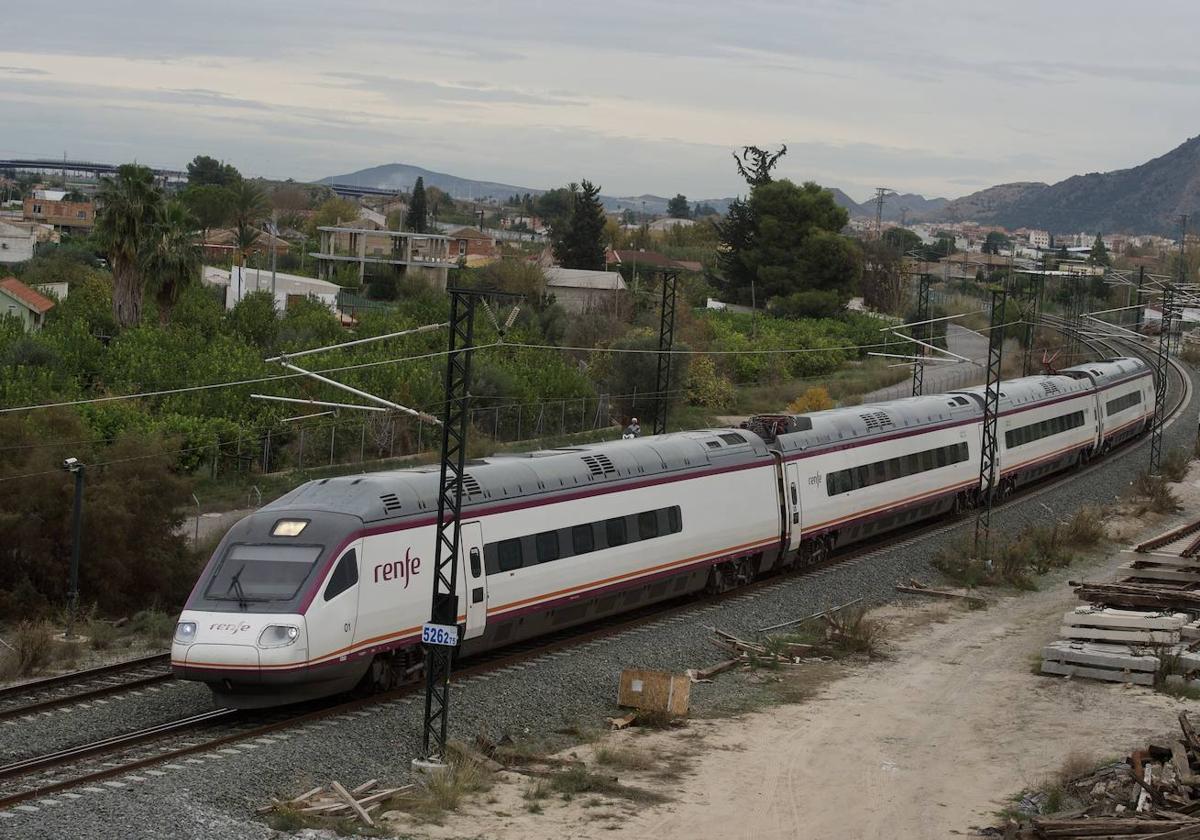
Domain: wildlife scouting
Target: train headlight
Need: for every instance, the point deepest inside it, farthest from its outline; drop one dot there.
(185, 632)
(278, 635)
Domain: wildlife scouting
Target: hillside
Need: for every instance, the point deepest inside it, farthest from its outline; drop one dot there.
(402, 176)
(1143, 199)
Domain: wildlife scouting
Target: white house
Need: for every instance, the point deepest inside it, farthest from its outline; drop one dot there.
(288, 287)
(580, 290)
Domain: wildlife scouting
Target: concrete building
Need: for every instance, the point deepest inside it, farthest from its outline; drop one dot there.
(423, 255)
(1039, 239)
(288, 287)
(19, 301)
(16, 243)
(580, 290)
(51, 207)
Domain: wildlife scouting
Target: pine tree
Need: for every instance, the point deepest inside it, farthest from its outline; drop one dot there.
(678, 208)
(579, 237)
(417, 219)
(1099, 254)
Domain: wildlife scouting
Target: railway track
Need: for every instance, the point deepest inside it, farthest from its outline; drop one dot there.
(43, 695)
(100, 762)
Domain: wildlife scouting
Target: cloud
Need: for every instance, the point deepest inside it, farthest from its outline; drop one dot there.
(410, 91)
(22, 71)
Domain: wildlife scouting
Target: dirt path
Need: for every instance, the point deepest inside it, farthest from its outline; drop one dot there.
(925, 745)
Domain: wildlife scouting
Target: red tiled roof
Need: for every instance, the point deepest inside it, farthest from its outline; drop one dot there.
(469, 233)
(36, 301)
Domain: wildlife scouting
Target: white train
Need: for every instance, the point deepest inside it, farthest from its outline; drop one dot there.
(327, 587)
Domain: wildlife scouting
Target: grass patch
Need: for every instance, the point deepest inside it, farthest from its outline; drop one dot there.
(101, 635)
(845, 633)
(625, 758)
(1019, 560)
(445, 791)
(578, 780)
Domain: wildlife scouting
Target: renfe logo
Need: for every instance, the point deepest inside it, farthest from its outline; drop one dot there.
(231, 629)
(397, 569)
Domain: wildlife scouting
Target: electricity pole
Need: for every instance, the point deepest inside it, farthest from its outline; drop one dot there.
(74, 466)
(666, 340)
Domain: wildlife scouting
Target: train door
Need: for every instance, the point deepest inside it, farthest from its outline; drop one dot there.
(474, 578)
(333, 617)
(792, 491)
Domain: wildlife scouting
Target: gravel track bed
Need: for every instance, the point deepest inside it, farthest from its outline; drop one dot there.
(214, 797)
(71, 725)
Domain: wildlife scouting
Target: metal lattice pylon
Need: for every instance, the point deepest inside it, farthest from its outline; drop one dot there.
(918, 375)
(991, 416)
(1032, 315)
(666, 341)
(444, 607)
(1161, 361)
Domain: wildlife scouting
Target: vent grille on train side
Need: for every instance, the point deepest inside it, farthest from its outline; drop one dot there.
(1050, 387)
(391, 503)
(599, 464)
(471, 485)
(876, 419)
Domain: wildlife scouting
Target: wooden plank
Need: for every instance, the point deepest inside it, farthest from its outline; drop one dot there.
(719, 668)
(1187, 832)
(1062, 669)
(812, 617)
(364, 787)
(1160, 574)
(1102, 656)
(621, 722)
(350, 800)
(1170, 560)
(1179, 758)
(1057, 827)
(1161, 637)
(308, 794)
(384, 794)
(1189, 734)
(1133, 619)
(974, 600)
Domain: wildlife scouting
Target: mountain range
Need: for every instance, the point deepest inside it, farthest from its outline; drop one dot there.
(1143, 199)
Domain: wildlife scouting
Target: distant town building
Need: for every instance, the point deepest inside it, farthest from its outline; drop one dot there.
(222, 242)
(19, 301)
(16, 243)
(473, 245)
(51, 207)
(1039, 239)
(580, 290)
(423, 255)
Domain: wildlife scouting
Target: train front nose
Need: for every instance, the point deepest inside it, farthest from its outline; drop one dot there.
(238, 653)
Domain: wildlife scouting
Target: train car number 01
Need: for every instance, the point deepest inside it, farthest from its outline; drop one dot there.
(439, 634)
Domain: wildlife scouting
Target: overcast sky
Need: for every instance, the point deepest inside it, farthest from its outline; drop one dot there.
(639, 96)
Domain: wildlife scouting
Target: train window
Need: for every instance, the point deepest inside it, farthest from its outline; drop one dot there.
(648, 525)
(476, 563)
(508, 555)
(878, 473)
(344, 576)
(676, 521)
(943, 456)
(1043, 428)
(614, 530)
(547, 546)
(583, 539)
(928, 460)
(1121, 403)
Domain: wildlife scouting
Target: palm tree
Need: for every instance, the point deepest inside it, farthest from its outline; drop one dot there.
(129, 211)
(175, 260)
(248, 207)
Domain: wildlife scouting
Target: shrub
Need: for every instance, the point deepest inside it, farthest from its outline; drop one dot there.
(1154, 494)
(1175, 465)
(1086, 528)
(813, 399)
(101, 635)
(155, 625)
(30, 648)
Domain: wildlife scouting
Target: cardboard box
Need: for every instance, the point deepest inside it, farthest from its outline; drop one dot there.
(654, 691)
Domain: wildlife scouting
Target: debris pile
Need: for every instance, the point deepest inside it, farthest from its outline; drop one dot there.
(337, 802)
(1154, 793)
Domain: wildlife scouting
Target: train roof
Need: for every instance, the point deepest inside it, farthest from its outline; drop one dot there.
(821, 428)
(1030, 390)
(396, 494)
(1106, 371)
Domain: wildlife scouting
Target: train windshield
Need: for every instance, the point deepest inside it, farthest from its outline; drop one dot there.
(262, 572)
